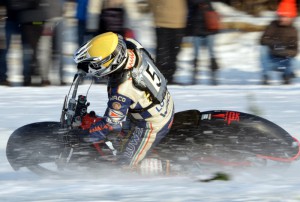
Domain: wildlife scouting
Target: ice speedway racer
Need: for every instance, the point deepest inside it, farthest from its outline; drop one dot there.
(197, 140)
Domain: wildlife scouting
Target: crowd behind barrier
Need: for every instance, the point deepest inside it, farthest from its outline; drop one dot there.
(38, 38)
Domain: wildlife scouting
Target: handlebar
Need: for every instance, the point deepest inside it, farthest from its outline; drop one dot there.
(70, 110)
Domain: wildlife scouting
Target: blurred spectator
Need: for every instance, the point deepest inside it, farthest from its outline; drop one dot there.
(170, 22)
(55, 28)
(112, 18)
(82, 16)
(11, 27)
(202, 25)
(26, 18)
(32, 19)
(280, 43)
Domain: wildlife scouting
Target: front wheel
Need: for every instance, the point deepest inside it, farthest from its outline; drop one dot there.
(34, 146)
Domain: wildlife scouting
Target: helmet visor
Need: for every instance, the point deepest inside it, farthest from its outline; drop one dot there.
(102, 67)
(98, 63)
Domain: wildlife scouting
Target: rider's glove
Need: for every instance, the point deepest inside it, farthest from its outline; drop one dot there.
(74, 136)
(98, 131)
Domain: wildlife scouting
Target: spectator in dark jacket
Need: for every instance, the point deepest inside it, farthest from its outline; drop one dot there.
(12, 27)
(170, 22)
(202, 35)
(26, 18)
(112, 18)
(280, 43)
(32, 20)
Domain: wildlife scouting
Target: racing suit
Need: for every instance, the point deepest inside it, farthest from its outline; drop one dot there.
(146, 102)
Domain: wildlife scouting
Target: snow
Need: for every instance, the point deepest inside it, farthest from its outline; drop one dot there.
(239, 90)
(279, 104)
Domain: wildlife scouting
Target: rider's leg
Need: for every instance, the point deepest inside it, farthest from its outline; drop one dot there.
(144, 137)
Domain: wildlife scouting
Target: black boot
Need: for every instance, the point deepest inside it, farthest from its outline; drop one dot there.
(5, 83)
(195, 71)
(286, 79)
(27, 81)
(213, 64)
(214, 67)
(265, 80)
(213, 78)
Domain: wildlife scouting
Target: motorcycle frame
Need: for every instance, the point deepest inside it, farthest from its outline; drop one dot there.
(69, 105)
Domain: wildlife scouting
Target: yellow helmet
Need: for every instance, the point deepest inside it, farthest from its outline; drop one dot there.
(105, 54)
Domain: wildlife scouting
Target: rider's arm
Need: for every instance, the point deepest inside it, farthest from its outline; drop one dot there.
(117, 109)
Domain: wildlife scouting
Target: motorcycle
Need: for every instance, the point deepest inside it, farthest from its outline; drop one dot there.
(197, 140)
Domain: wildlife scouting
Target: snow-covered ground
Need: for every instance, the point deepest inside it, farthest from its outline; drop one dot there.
(239, 90)
(280, 104)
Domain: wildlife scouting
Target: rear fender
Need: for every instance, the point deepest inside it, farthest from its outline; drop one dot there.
(235, 131)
